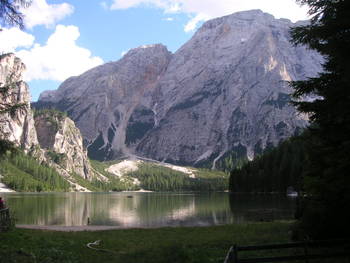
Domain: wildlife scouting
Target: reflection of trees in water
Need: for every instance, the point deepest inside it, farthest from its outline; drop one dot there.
(250, 207)
(54, 208)
(143, 209)
(37, 209)
(187, 209)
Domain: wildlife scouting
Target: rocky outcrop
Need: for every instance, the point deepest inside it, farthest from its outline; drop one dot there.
(224, 90)
(62, 142)
(51, 137)
(15, 126)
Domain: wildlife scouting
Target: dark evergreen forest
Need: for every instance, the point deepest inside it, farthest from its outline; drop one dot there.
(273, 171)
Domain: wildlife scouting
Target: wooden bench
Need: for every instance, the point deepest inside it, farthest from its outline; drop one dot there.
(342, 250)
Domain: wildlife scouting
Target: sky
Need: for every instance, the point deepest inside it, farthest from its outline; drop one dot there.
(66, 38)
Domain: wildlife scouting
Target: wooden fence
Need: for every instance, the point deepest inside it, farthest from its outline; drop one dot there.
(342, 251)
(5, 219)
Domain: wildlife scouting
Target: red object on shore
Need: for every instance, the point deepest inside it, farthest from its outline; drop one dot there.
(2, 203)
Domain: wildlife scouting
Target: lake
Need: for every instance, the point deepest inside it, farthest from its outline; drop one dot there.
(133, 209)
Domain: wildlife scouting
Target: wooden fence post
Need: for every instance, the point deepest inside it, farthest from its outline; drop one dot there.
(5, 220)
(229, 256)
(235, 254)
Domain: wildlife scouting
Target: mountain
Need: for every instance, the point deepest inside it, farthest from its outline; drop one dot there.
(49, 136)
(17, 127)
(63, 143)
(53, 158)
(224, 90)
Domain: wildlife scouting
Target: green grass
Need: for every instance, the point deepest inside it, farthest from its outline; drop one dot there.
(192, 244)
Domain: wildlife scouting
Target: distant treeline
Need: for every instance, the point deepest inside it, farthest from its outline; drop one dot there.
(274, 171)
(23, 173)
(49, 112)
(159, 178)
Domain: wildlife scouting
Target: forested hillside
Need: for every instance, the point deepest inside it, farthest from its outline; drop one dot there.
(158, 178)
(23, 173)
(274, 171)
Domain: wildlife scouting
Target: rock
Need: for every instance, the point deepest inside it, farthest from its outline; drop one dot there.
(51, 137)
(17, 127)
(224, 90)
(111, 94)
(63, 142)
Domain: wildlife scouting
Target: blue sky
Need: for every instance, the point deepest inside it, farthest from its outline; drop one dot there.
(66, 38)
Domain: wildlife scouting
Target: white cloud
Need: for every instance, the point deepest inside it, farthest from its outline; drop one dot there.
(59, 58)
(42, 13)
(173, 8)
(125, 4)
(202, 10)
(124, 53)
(13, 38)
(168, 19)
(192, 24)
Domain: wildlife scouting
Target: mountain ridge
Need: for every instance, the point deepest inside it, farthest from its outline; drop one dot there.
(50, 155)
(224, 90)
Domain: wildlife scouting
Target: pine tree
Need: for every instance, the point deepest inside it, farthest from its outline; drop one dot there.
(327, 180)
(10, 14)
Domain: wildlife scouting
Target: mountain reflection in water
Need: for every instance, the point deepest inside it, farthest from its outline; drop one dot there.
(128, 210)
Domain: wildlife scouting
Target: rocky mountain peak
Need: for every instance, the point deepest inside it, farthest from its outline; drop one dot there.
(17, 127)
(145, 50)
(245, 17)
(224, 90)
(118, 88)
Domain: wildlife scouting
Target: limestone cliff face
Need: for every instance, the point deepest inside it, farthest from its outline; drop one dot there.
(102, 100)
(51, 137)
(61, 139)
(17, 127)
(224, 90)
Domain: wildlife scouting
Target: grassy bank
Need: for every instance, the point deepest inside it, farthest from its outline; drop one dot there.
(193, 244)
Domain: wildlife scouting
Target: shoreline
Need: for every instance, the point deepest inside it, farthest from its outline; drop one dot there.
(94, 228)
(69, 228)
